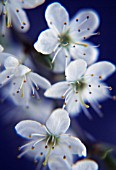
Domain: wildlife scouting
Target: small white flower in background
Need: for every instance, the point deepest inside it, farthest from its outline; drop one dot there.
(56, 163)
(65, 39)
(50, 139)
(38, 110)
(13, 13)
(23, 80)
(83, 85)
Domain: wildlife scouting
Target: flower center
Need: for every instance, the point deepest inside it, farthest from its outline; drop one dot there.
(64, 39)
(79, 85)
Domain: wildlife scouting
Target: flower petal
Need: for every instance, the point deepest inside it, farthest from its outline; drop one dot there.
(85, 165)
(103, 69)
(26, 128)
(89, 54)
(21, 70)
(39, 80)
(57, 90)
(75, 145)
(57, 163)
(28, 4)
(83, 24)
(1, 48)
(11, 62)
(58, 122)
(46, 42)
(75, 70)
(57, 17)
(19, 17)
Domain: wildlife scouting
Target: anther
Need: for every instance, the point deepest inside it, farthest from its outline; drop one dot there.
(46, 147)
(90, 92)
(64, 157)
(41, 153)
(76, 92)
(92, 75)
(65, 23)
(76, 100)
(18, 91)
(23, 23)
(69, 146)
(110, 88)
(84, 38)
(51, 22)
(65, 103)
(30, 136)
(62, 97)
(74, 46)
(17, 10)
(52, 147)
(88, 29)
(89, 85)
(100, 77)
(99, 86)
(77, 19)
(87, 17)
(22, 27)
(79, 30)
(32, 147)
(25, 81)
(84, 53)
(8, 76)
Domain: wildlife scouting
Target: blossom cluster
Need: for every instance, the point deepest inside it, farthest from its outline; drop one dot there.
(83, 86)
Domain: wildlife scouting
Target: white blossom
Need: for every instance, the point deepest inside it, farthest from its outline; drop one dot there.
(50, 139)
(13, 13)
(56, 163)
(65, 39)
(83, 85)
(23, 80)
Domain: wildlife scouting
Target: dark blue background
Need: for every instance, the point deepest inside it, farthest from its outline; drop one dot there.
(103, 129)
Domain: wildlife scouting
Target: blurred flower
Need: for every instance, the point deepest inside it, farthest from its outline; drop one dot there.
(57, 163)
(83, 85)
(64, 39)
(23, 80)
(12, 11)
(50, 139)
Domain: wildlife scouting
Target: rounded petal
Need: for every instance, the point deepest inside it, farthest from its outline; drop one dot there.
(19, 17)
(46, 42)
(103, 69)
(57, 17)
(75, 70)
(11, 63)
(39, 80)
(85, 165)
(83, 24)
(58, 163)
(21, 70)
(57, 90)
(58, 122)
(89, 54)
(26, 128)
(28, 4)
(75, 145)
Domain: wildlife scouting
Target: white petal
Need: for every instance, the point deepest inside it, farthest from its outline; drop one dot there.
(58, 122)
(39, 80)
(85, 165)
(76, 146)
(3, 77)
(73, 105)
(26, 128)
(28, 4)
(75, 70)
(21, 70)
(57, 163)
(11, 62)
(19, 19)
(1, 48)
(46, 42)
(89, 54)
(57, 90)
(103, 68)
(56, 17)
(87, 23)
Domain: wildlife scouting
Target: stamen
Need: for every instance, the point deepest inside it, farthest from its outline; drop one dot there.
(81, 44)
(82, 102)
(56, 54)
